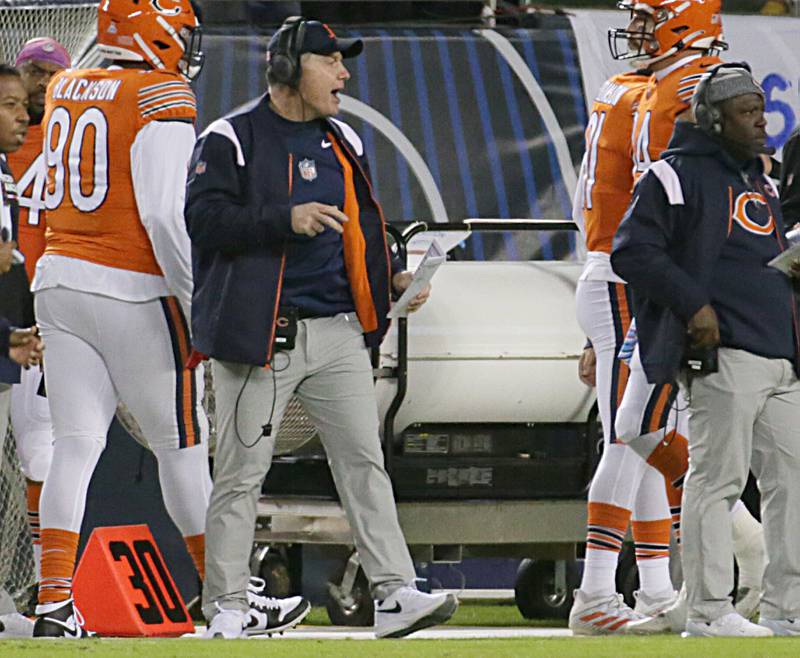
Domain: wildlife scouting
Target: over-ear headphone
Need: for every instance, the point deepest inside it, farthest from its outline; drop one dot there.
(707, 115)
(284, 62)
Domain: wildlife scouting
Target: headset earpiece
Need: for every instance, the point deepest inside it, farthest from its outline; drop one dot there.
(707, 115)
(284, 62)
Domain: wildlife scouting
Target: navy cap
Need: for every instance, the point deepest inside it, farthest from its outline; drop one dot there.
(321, 40)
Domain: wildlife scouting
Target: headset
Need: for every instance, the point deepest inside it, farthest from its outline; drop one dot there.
(707, 115)
(284, 61)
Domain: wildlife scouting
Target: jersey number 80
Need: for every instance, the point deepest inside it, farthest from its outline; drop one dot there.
(76, 158)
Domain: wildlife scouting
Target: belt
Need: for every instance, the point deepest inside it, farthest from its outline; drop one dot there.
(303, 314)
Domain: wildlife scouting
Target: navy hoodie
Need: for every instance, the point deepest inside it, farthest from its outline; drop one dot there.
(700, 229)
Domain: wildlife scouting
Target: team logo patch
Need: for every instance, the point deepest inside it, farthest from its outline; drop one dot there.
(744, 204)
(308, 169)
(200, 167)
(167, 11)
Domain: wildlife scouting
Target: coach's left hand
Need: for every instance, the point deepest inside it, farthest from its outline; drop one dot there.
(401, 281)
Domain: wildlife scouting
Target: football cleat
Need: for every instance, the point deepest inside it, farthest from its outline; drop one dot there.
(604, 615)
(669, 619)
(730, 625)
(407, 610)
(651, 605)
(61, 619)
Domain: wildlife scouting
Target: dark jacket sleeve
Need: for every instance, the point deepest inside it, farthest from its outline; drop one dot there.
(217, 215)
(5, 336)
(644, 250)
(790, 180)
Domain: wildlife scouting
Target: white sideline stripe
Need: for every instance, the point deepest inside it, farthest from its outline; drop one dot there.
(442, 633)
(478, 594)
(404, 145)
(669, 181)
(540, 102)
(224, 128)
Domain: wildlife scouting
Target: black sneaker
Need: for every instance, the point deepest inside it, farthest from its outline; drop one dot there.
(270, 615)
(60, 619)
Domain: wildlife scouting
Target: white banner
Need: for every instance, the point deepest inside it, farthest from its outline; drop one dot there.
(770, 44)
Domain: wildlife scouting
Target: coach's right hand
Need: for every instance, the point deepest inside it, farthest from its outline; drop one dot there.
(25, 346)
(704, 328)
(311, 218)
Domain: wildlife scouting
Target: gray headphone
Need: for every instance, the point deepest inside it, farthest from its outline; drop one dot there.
(706, 114)
(284, 62)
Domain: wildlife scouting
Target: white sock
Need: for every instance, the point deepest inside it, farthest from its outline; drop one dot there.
(748, 546)
(654, 577)
(599, 571)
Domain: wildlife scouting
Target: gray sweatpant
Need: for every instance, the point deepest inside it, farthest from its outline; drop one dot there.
(330, 371)
(746, 415)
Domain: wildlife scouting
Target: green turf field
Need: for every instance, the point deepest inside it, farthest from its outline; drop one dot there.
(623, 647)
(485, 614)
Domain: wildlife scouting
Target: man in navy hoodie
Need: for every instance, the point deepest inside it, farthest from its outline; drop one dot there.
(288, 239)
(695, 244)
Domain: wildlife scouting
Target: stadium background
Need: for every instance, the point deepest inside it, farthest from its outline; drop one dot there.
(487, 148)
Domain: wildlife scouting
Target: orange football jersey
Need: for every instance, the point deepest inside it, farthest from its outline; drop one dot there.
(29, 173)
(660, 105)
(608, 178)
(91, 122)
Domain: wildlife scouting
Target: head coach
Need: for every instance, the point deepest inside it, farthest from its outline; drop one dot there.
(702, 226)
(292, 283)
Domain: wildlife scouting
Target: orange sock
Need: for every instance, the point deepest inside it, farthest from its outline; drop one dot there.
(675, 500)
(59, 548)
(671, 458)
(606, 527)
(651, 538)
(196, 545)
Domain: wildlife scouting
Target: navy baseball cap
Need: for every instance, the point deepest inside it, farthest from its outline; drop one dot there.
(321, 40)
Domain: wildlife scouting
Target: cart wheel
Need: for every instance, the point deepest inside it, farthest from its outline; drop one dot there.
(534, 590)
(275, 572)
(353, 608)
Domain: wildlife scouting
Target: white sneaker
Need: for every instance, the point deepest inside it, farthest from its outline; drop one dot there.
(747, 601)
(669, 619)
(730, 625)
(781, 626)
(603, 615)
(15, 625)
(227, 624)
(407, 610)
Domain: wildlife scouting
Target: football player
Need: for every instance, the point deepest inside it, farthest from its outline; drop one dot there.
(623, 486)
(38, 60)
(114, 285)
(679, 41)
